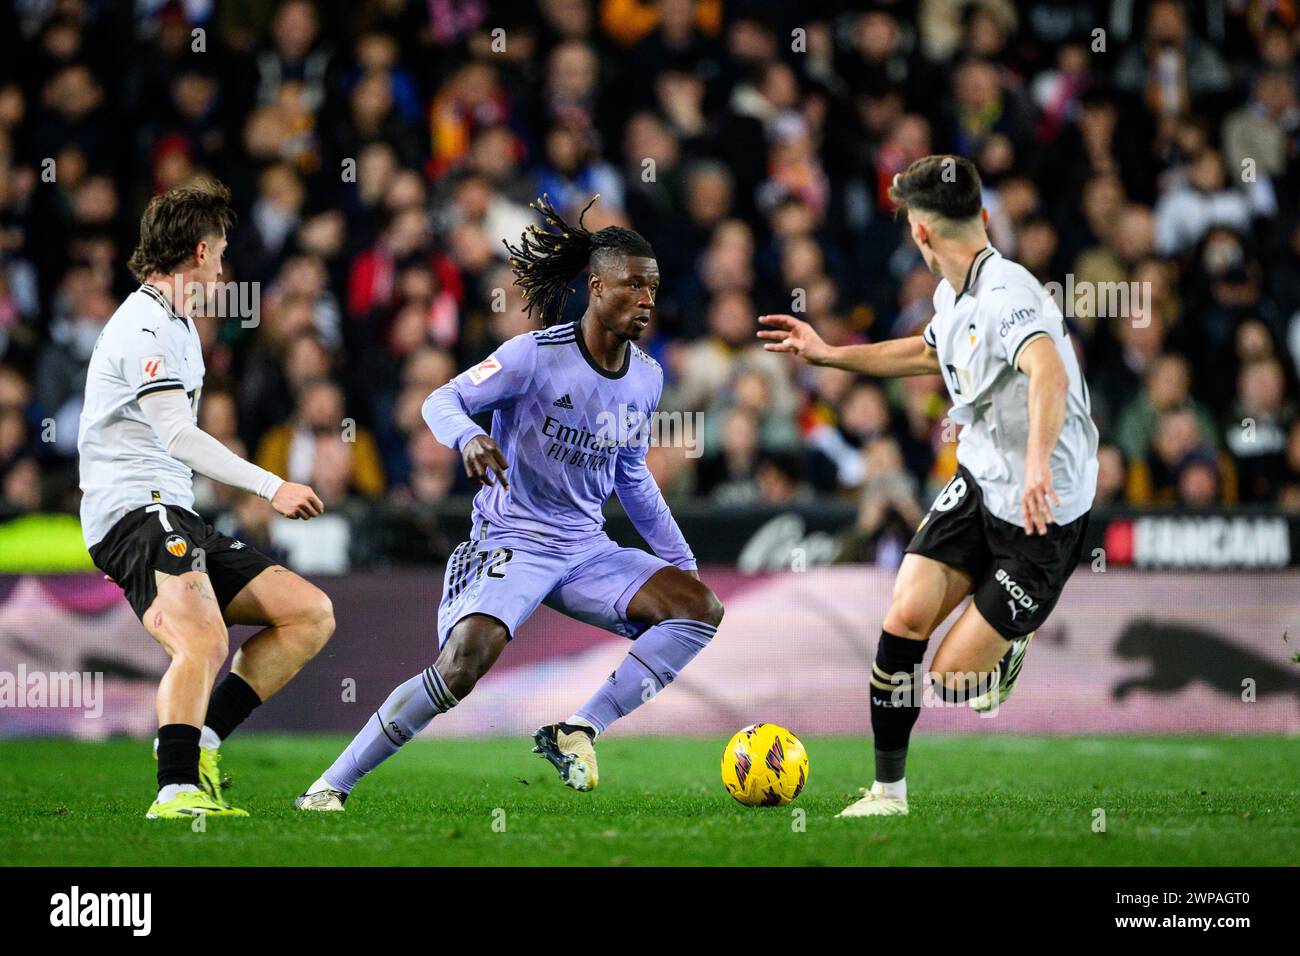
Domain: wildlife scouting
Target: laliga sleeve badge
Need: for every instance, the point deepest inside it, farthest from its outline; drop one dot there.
(152, 368)
(176, 546)
(484, 370)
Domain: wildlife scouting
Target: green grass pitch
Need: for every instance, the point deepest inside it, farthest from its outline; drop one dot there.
(975, 801)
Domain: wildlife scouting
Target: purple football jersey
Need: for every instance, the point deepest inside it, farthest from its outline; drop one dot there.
(572, 433)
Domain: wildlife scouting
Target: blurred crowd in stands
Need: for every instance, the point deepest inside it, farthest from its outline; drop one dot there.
(380, 150)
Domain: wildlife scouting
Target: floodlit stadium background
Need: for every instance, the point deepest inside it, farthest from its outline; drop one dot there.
(1141, 158)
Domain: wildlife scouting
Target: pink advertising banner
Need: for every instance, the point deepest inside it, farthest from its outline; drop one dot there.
(1126, 652)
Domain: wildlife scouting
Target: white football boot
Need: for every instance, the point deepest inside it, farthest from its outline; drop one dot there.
(1008, 673)
(321, 796)
(875, 804)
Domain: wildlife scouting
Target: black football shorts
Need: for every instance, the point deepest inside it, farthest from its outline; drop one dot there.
(1016, 578)
(173, 540)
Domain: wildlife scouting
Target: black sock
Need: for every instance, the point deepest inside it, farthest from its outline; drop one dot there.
(178, 755)
(964, 692)
(895, 701)
(230, 704)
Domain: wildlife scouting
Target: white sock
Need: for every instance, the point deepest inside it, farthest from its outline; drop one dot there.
(208, 738)
(577, 721)
(172, 790)
(321, 784)
(894, 791)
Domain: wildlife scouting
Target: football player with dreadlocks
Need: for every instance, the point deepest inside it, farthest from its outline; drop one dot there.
(572, 406)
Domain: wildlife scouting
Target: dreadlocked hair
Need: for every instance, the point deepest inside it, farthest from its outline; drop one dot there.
(545, 263)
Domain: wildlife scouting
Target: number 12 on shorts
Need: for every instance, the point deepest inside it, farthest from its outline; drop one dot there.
(494, 562)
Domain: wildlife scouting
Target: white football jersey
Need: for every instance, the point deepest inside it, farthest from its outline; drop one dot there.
(979, 335)
(145, 347)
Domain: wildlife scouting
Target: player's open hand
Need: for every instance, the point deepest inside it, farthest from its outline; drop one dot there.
(1038, 498)
(297, 501)
(483, 458)
(793, 336)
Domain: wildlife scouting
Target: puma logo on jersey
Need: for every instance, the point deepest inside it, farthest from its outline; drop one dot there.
(152, 368)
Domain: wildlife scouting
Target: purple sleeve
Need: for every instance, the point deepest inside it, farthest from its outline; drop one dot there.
(494, 383)
(645, 505)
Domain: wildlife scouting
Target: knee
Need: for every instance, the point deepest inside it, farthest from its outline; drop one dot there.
(469, 658)
(469, 653)
(319, 615)
(908, 617)
(185, 619)
(313, 619)
(205, 648)
(704, 607)
(693, 601)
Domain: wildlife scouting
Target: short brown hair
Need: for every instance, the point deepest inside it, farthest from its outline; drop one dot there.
(175, 222)
(948, 186)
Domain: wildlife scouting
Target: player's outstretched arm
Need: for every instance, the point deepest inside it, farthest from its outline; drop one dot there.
(497, 381)
(449, 420)
(1048, 384)
(639, 494)
(894, 358)
(170, 415)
